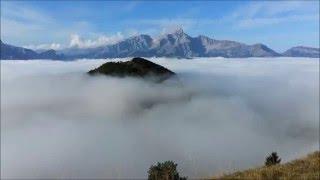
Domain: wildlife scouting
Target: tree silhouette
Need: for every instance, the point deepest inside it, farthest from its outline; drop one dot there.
(164, 171)
(272, 159)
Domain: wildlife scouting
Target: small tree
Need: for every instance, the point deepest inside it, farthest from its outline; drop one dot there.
(272, 159)
(164, 171)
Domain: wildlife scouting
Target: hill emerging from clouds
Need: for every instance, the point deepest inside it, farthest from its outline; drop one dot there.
(176, 44)
(137, 67)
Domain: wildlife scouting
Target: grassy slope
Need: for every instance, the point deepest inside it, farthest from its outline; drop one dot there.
(304, 168)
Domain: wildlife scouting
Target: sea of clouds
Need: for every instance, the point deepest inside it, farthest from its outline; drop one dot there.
(222, 115)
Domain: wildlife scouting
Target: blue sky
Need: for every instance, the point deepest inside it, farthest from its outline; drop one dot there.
(50, 24)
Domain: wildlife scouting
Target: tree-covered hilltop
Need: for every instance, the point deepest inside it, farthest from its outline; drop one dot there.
(137, 67)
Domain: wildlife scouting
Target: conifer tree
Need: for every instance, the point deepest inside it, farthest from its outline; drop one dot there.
(272, 159)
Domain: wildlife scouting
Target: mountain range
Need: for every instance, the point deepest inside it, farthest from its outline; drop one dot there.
(10, 52)
(177, 44)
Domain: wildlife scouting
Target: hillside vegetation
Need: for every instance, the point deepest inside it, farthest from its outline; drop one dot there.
(304, 168)
(137, 67)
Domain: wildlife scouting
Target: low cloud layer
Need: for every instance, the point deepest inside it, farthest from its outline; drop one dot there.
(56, 122)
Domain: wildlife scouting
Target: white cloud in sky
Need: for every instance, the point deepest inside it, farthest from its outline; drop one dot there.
(54, 46)
(78, 42)
(11, 29)
(22, 24)
(19, 20)
(21, 13)
(248, 16)
(261, 22)
(260, 14)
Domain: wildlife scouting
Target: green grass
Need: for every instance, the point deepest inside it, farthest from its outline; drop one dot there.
(304, 168)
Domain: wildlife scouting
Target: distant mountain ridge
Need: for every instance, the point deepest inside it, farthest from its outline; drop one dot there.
(302, 51)
(176, 44)
(14, 53)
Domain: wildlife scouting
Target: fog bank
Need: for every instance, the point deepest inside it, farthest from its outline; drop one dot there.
(224, 114)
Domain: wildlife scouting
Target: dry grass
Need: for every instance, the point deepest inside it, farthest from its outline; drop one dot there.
(305, 168)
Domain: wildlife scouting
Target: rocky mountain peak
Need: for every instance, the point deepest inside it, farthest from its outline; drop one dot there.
(178, 32)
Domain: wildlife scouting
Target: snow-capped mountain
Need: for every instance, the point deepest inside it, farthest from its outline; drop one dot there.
(175, 44)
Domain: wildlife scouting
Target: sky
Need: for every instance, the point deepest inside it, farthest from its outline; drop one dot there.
(56, 25)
